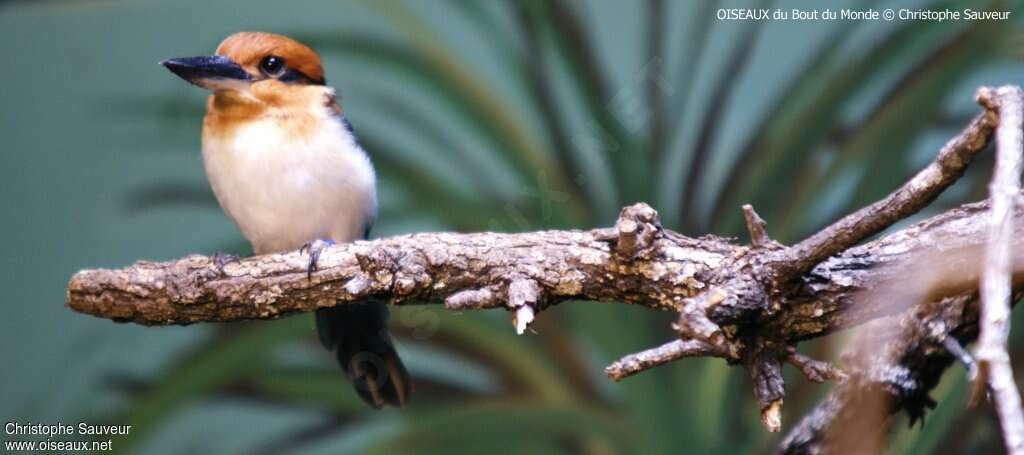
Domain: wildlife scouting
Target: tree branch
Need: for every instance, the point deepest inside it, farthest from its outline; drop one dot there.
(902, 357)
(914, 195)
(747, 304)
(890, 371)
(650, 358)
(474, 271)
(993, 360)
(635, 262)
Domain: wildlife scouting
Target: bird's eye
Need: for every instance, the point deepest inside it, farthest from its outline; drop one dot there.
(272, 65)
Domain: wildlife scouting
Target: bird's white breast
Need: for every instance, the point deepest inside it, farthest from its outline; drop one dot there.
(283, 189)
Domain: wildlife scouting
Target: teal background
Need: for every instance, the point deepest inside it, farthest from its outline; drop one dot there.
(100, 167)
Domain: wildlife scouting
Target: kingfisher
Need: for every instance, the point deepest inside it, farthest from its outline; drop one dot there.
(285, 165)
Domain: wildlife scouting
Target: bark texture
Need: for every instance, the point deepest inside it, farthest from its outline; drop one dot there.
(474, 271)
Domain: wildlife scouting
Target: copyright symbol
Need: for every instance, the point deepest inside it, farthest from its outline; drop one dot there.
(888, 14)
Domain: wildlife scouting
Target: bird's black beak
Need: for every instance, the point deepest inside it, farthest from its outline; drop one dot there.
(209, 71)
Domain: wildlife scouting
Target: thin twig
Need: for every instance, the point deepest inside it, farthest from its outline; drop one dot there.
(650, 358)
(759, 237)
(957, 350)
(914, 195)
(815, 370)
(993, 359)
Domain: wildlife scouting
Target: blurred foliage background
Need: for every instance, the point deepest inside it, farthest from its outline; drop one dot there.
(485, 115)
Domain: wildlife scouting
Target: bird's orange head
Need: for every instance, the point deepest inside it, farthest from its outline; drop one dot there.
(254, 74)
(247, 60)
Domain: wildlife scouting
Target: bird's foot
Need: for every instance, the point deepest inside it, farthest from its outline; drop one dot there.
(222, 259)
(314, 248)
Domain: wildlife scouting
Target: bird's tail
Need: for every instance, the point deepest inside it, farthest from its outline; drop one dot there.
(358, 335)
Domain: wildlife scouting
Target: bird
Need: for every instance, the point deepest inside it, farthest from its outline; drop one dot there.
(285, 166)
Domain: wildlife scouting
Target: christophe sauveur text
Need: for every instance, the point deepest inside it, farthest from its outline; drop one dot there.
(871, 14)
(20, 434)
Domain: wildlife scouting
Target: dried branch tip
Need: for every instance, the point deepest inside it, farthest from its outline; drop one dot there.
(637, 227)
(650, 358)
(771, 416)
(769, 388)
(756, 227)
(523, 297)
(815, 370)
(957, 350)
